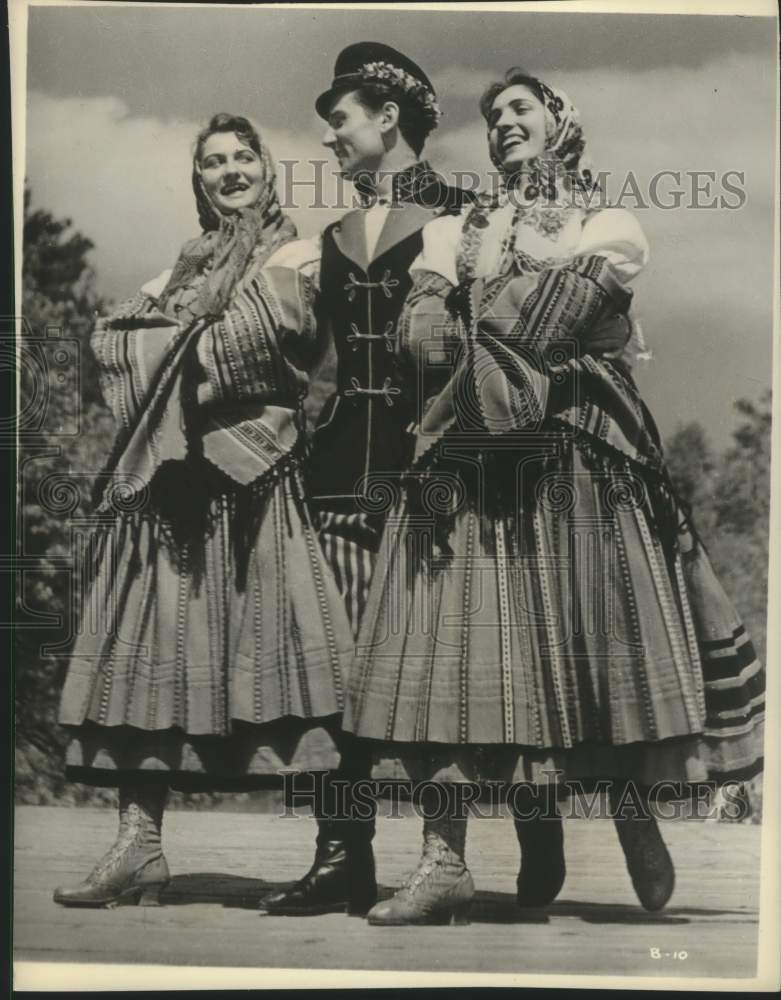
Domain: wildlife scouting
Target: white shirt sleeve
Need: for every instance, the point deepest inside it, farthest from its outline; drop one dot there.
(440, 246)
(154, 287)
(616, 234)
(300, 255)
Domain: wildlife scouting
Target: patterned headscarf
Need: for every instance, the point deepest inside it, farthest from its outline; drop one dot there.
(228, 243)
(545, 190)
(562, 173)
(552, 186)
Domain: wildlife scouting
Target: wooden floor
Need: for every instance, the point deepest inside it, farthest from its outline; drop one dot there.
(222, 862)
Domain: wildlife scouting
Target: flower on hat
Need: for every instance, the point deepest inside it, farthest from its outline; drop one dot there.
(382, 72)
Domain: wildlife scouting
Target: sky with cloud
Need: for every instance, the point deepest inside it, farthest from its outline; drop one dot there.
(116, 95)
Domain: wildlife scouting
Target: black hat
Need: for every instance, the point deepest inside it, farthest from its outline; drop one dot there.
(373, 62)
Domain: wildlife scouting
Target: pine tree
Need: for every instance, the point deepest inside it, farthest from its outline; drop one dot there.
(730, 500)
(729, 496)
(65, 432)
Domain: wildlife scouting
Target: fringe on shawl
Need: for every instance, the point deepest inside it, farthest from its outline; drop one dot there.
(187, 499)
(503, 498)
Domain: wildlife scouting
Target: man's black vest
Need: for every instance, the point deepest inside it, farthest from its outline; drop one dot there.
(363, 430)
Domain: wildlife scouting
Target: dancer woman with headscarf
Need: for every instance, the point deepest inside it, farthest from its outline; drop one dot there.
(212, 638)
(558, 614)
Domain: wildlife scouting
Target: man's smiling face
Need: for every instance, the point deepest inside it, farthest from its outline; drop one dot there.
(354, 135)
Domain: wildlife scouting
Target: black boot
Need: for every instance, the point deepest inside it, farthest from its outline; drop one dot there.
(543, 869)
(647, 859)
(342, 877)
(361, 872)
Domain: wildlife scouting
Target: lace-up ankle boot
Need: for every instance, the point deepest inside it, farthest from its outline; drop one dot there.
(440, 889)
(134, 870)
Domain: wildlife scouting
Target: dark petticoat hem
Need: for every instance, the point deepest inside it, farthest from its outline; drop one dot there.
(683, 761)
(251, 757)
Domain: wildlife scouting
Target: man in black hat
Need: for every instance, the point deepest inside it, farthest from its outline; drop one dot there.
(379, 110)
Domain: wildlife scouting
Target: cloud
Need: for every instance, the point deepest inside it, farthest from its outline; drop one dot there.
(463, 82)
(705, 298)
(717, 117)
(125, 181)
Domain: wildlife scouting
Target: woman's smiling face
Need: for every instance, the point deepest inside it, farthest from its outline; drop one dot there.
(516, 127)
(231, 171)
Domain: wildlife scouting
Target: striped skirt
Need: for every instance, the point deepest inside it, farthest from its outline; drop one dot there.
(222, 656)
(572, 636)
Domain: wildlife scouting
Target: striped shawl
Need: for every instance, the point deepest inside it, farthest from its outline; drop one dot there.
(530, 351)
(223, 389)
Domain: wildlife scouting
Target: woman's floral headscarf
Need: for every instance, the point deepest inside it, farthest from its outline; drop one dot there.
(546, 190)
(562, 173)
(228, 242)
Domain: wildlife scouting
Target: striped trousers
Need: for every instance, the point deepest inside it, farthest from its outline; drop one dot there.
(350, 544)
